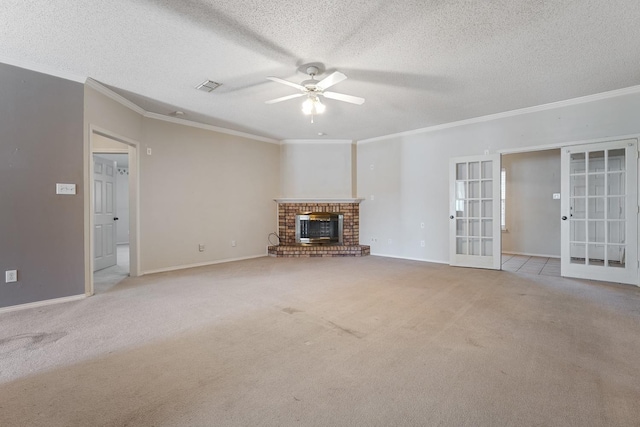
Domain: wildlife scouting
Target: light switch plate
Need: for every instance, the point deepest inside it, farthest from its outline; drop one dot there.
(65, 189)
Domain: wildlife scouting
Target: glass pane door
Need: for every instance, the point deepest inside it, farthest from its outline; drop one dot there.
(475, 227)
(599, 206)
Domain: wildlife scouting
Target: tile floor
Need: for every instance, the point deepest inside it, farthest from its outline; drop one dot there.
(105, 279)
(531, 264)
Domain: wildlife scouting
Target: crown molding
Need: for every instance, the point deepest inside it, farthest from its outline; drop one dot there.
(114, 96)
(39, 68)
(527, 110)
(316, 141)
(189, 123)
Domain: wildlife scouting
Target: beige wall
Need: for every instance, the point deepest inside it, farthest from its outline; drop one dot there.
(197, 187)
(317, 169)
(204, 187)
(110, 115)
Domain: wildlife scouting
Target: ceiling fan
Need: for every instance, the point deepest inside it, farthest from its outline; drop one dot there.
(313, 89)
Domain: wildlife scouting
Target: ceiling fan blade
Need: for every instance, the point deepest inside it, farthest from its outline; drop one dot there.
(285, 82)
(343, 97)
(284, 98)
(330, 80)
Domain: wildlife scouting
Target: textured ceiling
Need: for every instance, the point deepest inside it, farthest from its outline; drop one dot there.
(418, 63)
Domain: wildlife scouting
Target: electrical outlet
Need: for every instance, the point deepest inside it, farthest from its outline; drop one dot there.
(201, 247)
(422, 243)
(373, 197)
(149, 151)
(389, 241)
(11, 276)
(422, 225)
(233, 243)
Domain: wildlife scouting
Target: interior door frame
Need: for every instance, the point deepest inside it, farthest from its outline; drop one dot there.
(566, 144)
(134, 203)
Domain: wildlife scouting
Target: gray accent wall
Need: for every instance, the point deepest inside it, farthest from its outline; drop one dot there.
(41, 144)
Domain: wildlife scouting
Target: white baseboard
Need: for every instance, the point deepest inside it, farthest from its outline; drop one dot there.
(528, 254)
(411, 259)
(41, 303)
(200, 264)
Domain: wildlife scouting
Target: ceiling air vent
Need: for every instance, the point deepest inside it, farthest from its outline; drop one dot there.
(208, 86)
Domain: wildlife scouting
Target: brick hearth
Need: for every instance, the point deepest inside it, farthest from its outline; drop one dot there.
(287, 211)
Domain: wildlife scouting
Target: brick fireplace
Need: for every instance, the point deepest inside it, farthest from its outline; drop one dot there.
(289, 208)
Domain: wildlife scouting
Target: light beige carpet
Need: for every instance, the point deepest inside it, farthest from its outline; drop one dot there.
(328, 342)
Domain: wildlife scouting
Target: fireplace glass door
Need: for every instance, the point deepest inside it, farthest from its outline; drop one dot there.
(319, 228)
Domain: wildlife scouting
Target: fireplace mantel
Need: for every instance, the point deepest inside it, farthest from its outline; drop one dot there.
(310, 200)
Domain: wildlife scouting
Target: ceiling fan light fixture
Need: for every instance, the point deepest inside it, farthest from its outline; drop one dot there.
(313, 106)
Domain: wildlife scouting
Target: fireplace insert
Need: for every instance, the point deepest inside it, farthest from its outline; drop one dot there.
(319, 228)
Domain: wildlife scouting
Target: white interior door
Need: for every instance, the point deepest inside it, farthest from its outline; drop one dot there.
(104, 225)
(600, 211)
(474, 221)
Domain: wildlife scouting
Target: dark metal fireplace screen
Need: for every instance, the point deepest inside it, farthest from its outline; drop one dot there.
(319, 228)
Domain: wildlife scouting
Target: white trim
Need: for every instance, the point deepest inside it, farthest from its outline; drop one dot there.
(111, 151)
(112, 135)
(537, 108)
(202, 264)
(190, 123)
(410, 259)
(560, 145)
(317, 141)
(528, 254)
(311, 200)
(39, 68)
(41, 303)
(114, 96)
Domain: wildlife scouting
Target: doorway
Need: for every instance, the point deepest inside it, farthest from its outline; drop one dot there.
(122, 154)
(530, 217)
(111, 218)
(598, 217)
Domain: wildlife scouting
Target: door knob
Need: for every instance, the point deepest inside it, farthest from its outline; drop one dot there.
(564, 218)
(451, 217)
(115, 218)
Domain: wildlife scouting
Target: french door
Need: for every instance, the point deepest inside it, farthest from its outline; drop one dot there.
(599, 211)
(474, 212)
